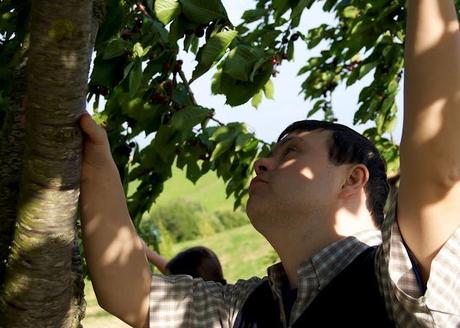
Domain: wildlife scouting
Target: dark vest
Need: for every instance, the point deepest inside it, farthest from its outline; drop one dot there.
(352, 299)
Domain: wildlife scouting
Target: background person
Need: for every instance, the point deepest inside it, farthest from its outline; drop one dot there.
(197, 262)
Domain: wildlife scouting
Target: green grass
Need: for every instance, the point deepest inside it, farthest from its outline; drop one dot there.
(243, 254)
(209, 191)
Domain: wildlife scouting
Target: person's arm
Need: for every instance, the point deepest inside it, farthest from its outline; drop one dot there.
(429, 195)
(115, 255)
(156, 259)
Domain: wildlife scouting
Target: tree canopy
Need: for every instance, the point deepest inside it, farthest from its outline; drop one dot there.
(138, 70)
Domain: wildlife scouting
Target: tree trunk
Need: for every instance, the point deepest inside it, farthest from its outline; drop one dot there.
(11, 153)
(40, 288)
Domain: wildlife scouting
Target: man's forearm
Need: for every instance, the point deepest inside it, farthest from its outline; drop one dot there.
(430, 146)
(114, 253)
(432, 84)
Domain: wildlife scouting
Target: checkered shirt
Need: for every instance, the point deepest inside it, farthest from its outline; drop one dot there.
(180, 301)
(439, 306)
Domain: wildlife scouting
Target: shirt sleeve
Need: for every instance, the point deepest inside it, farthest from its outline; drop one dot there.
(181, 301)
(409, 303)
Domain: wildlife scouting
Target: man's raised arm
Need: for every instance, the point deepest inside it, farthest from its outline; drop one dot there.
(429, 197)
(114, 253)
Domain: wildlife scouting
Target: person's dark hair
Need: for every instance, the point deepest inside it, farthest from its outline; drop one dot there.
(198, 262)
(347, 146)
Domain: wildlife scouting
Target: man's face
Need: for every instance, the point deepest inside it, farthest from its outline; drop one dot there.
(296, 180)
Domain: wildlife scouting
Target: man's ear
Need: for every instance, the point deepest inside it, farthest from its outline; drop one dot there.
(356, 179)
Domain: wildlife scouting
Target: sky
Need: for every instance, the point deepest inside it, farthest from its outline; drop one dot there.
(273, 116)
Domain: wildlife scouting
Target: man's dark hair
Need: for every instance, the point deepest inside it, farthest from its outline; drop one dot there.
(347, 146)
(198, 262)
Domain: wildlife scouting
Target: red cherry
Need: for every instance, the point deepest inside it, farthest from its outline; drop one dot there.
(166, 67)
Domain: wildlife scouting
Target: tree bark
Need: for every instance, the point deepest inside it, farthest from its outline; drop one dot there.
(41, 289)
(11, 153)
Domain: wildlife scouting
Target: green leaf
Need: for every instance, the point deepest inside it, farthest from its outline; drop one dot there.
(177, 31)
(365, 69)
(393, 87)
(164, 144)
(280, 6)
(318, 34)
(107, 72)
(212, 51)
(135, 77)
(115, 48)
(350, 12)
(203, 11)
(240, 61)
(147, 116)
(269, 90)
(193, 171)
(180, 95)
(257, 99)
(127, 70)
(221, 148)
(188, 117)
(239, 92)
(156, 30)
(318, 105)
(215, 83)
(242, 141)
(257, 66)
(296, 13)
(167, 10)
(290, 51)
(254, 14)
(219, 133)
(194, 46)
(188, 41)
(139, 51)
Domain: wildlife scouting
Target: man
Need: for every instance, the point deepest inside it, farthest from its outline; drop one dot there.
(318, 206)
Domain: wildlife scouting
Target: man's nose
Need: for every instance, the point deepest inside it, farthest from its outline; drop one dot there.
(263, 165)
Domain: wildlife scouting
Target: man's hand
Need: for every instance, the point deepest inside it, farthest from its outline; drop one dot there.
(96, 153)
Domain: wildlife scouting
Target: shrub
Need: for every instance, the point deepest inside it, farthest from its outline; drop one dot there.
(184, 220)
(232, 219)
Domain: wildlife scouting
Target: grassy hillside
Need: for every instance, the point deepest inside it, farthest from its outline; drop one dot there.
(242, 251)
(209, 191)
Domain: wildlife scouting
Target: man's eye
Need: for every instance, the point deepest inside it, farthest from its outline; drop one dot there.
(289, 150)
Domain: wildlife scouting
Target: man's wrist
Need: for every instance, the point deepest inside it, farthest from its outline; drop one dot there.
(107, 171)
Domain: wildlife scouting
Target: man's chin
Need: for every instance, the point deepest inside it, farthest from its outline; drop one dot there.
(256, 209)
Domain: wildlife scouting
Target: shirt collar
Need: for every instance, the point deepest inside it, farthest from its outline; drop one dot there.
(327, 263)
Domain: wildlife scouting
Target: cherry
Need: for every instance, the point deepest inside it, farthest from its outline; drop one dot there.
(168, 86)
(126, 34)
(166, 67)
(103, 91)
(199, 32)
(295, 36)
(179, 65)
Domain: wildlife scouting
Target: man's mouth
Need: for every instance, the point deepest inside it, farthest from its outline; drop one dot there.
(256, 181)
